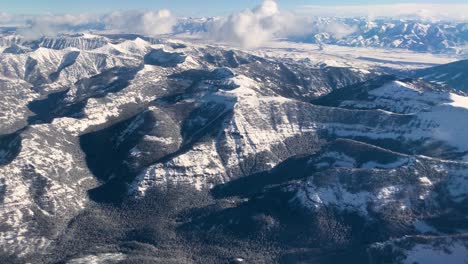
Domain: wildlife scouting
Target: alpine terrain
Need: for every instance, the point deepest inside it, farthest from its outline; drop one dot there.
(125, 148)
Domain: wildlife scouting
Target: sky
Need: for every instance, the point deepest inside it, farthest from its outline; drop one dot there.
(178, 7)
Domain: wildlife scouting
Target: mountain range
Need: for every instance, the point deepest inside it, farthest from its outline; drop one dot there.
(122, 148)
(440, 37)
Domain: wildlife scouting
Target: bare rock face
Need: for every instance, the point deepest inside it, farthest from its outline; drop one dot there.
(116, 149)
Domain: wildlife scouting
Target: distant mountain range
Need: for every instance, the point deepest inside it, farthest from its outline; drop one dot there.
(415, 35)
(435, 37)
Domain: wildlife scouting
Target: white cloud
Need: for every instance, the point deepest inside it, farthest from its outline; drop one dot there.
(5, 17)
(248, 28)
(50, 25)
(253, 27)
(407, 10)
(335, 28)
(7, 20)
(147, 23)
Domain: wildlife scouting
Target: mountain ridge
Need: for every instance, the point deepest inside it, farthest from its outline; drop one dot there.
(131, 149)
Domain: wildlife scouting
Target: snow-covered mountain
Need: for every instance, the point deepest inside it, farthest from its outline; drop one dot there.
(446, 37)
(437, 37)
(119, 148)
(416, 35)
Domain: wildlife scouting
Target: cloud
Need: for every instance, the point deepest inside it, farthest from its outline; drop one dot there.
(5, 17)
(407, 10)
(253, 27)
(10, 20)
(335, 29)
(148, 23)
(51, 25)
(248, 28)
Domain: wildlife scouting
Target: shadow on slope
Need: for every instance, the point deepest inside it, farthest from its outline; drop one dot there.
(10, 147)
(59, 104)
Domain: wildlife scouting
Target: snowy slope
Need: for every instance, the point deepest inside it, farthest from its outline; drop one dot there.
(91, 121)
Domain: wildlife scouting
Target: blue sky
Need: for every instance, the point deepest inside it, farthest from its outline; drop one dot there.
(179, 7)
